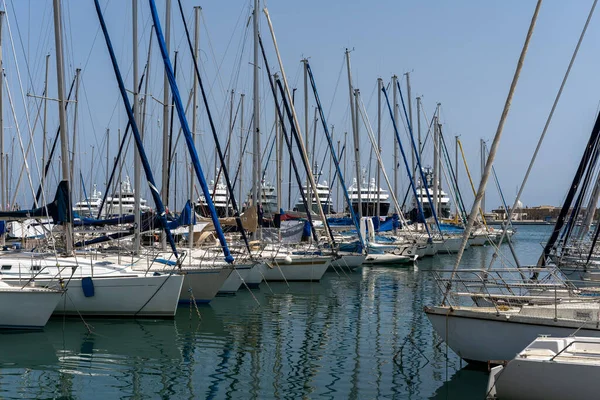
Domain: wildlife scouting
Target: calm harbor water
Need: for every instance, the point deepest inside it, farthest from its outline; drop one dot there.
(359, 335)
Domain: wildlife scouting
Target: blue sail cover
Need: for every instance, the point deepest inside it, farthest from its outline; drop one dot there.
(450, 228)
(86, 221)
(341, 221)
(390, 224)
(58, 210)
(187, 217)
(148, 221)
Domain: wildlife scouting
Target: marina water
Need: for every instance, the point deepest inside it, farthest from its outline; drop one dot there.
(356, 335)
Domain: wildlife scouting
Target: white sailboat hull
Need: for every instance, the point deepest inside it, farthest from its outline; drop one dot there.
(297, 269)
(202, 284)
(349, 260)
(388, 259)
(488, 337)
(255, 276)
(235, 280)
(478, 240)
(119, 296)
(567, 370)
(27, 309)
(431, 249)
(451, 245)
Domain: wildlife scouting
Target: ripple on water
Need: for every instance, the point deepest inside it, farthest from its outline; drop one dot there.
(357, 335)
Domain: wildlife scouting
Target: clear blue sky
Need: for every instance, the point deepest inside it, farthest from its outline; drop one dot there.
(461, 54)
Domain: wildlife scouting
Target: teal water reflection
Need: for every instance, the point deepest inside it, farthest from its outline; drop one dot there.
(358, 335)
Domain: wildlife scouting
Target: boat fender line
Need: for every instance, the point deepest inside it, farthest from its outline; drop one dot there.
(155, 293)
(246, 286)
(87, 285)
(193, 301)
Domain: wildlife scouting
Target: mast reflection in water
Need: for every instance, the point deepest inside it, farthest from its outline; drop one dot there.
(358, 335)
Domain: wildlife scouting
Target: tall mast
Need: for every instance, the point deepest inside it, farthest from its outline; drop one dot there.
(120, 183)
(438, 203)
(165, 156)
(2, 171)
(436, 172)
(312, 158)
(590, 210)
(301, 146)
(64, 150)
(494, 147)
(229, 146)
(357, 152)
(256, 119)
(145, 97)
(107, 158)
(240, 174)
(410, 116)
(396, 144)
(137, 181)
(353, 112)
(345, 152)
(419, 125)
(194, 115)
(44, 127)
(379, 86)
(306, 135)
(456, 168)
(77, 72)
(337, 190)
(482, 149)
(278, 149)
(330, 196)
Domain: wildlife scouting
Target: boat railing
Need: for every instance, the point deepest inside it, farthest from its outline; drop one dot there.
(503, 287)
(579, 341)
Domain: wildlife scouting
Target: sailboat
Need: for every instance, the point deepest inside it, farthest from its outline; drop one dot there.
(27, 307)
(509, 314)
(549, 368)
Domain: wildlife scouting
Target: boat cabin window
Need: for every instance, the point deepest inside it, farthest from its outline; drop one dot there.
(6, 267)
(36, 267)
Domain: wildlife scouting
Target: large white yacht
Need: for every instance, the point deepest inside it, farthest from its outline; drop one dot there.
(324, 196)
(89, 207)
(220, 199)
(268, 198)
(369, 194)
(443, 199)
(122, 202)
